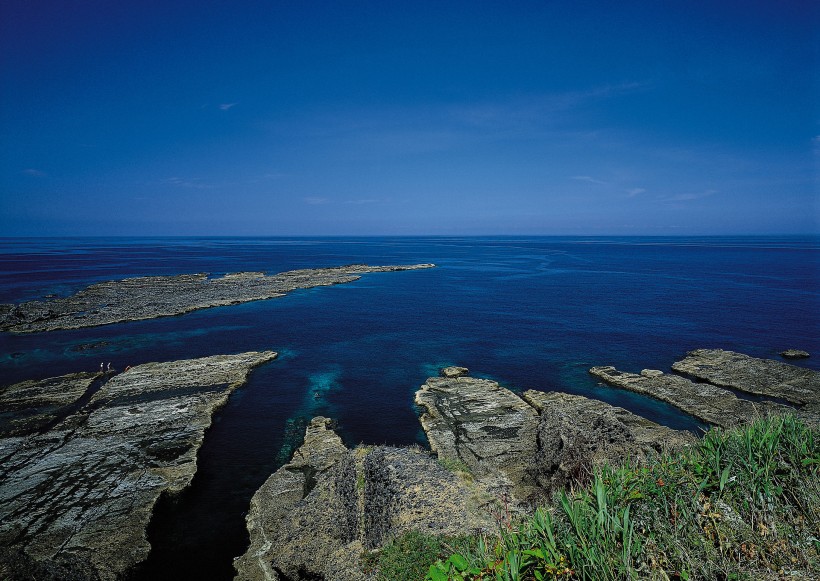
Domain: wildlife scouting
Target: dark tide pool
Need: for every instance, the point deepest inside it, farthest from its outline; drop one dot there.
(528, 312)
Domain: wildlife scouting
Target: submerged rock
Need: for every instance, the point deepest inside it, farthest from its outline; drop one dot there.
(576, 433)
(706, 402)
(765, 377)
(80, 495)
(314, 517)
(149, 297)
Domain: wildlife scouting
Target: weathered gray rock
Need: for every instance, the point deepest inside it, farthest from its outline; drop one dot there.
(794, 354)
(270, 504)
(318, 527)
(765, 377)
(576, 433)
(149, 297)
(454, 372)
(485, 426)
(30, 406)
(83, 491)
(706, 402)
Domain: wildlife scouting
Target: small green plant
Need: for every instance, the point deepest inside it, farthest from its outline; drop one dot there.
(406, 558)
(455, 465)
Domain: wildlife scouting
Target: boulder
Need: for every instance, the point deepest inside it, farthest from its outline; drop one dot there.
(454, 371)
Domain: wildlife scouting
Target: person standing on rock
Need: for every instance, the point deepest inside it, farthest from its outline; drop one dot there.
(101, 366)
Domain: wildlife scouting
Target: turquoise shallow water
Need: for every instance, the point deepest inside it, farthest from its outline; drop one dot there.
(528, 312)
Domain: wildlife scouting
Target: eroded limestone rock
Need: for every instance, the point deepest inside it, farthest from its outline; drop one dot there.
(149, 297)
(30, 406)
(576, 433)
(83, 491)
(360, 501)
(765, 377)
(485, 426)
(795, 354)
(706, 402)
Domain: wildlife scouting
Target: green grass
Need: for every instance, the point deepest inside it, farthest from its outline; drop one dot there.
(739, 504)
(408, 557)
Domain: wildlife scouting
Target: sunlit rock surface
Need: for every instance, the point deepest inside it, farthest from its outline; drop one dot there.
(316, 516)
(82, 492)
(149, 297)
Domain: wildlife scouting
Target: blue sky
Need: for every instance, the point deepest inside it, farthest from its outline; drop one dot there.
(377, 118)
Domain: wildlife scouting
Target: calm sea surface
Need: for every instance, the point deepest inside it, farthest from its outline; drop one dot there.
(528, 312)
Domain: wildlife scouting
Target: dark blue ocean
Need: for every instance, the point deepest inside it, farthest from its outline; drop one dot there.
(527, 312)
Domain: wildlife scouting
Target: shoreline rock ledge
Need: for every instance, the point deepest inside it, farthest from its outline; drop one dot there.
(150, 297)
(76, 496)
(492, 450)
(719, 399)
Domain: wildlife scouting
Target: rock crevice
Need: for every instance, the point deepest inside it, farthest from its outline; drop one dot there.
(83, 491)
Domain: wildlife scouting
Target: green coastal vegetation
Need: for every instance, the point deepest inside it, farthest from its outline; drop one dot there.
(738, 504)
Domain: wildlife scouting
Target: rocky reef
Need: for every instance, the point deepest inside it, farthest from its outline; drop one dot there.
(765, 377)
(491, 450)
(81, 471)
(781, 388)
(149, 297)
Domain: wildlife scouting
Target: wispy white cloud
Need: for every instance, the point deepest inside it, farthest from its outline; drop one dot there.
(316, 201)
(688, 197)
(632, 192)
(363, 201)
(226, 106)
(194, 183)
(35, 173)
(589, 179)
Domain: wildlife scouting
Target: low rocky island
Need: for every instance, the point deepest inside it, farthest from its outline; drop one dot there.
(149, 297)
(81, 471)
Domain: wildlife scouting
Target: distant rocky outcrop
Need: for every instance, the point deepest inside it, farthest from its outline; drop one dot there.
(78, 483)
(149, 297)
(795, 354)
